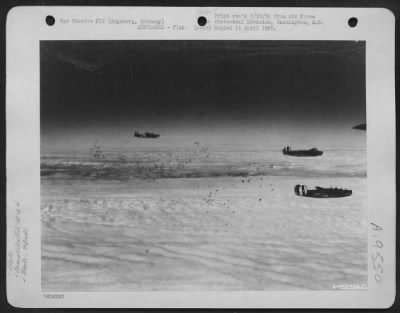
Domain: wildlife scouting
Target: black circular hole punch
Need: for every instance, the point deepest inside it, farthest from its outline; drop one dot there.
(352, 22)
(50, 20)
(202, 21)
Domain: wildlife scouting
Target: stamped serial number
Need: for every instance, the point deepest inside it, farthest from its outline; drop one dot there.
(377, 252)
(53, 296)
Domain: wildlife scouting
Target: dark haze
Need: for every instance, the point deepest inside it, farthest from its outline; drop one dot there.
(111, 83)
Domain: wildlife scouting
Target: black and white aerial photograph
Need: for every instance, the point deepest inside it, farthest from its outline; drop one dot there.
(203, 165)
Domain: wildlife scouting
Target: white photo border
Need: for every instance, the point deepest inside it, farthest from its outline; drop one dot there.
(25, 29)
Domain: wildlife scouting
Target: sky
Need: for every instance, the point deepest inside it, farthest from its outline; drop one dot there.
(290, 89)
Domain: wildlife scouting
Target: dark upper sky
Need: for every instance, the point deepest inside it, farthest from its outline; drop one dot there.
(198, 82)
